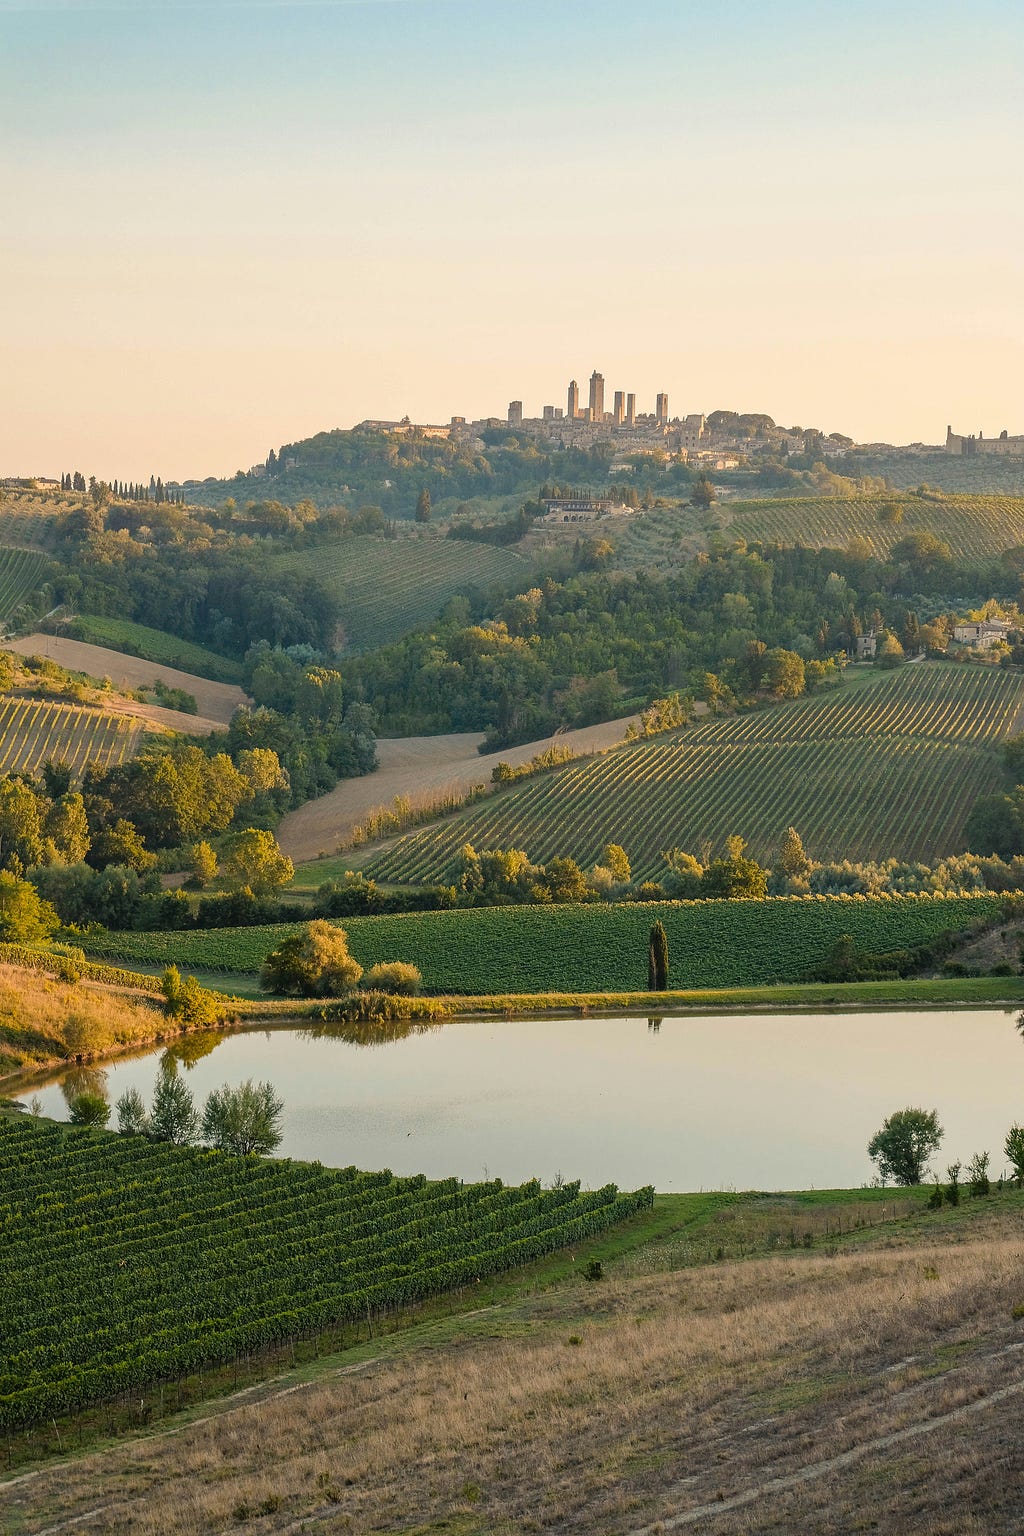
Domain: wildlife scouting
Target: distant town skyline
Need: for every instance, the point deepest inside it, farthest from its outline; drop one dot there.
(233, 225)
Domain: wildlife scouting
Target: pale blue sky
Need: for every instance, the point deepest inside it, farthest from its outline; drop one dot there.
(232, 224)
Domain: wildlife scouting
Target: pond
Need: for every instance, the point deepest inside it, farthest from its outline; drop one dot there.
(768, 1101)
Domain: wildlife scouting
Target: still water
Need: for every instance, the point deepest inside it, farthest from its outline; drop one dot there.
(767, 1102)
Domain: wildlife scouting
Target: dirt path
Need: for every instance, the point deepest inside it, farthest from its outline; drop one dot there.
(419, 766)
(216, 702)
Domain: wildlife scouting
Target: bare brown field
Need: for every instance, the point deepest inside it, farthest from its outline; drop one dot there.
(423, 768)
(873, 1385)
(216, 702)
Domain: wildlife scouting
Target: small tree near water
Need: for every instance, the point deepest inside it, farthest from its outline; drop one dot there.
(657, 959)
(244, 1120)
(904, 1145)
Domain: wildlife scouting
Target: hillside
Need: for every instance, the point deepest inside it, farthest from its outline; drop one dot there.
(972, 526)
(883, 769)
(816, 1362)
(387, 587)
(215, 702)
(423, 769)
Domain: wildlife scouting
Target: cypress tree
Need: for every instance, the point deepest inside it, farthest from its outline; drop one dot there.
(657, 959)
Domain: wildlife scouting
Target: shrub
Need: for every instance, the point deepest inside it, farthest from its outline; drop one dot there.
(89, 1109)
(977, 1172)
(394, 976)
(187, 1001)
(313, 963)
(1014, 1149)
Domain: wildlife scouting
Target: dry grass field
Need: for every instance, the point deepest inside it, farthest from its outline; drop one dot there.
(871, 1381)
(45, 1020)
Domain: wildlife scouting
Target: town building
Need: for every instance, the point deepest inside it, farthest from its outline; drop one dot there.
(983, 635)
(1004, 445)
(515, 413)
(596, 396)
(572, 407)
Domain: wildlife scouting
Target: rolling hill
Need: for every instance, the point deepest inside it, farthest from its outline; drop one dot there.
(387, 587)
(885, 768)
(972, 526)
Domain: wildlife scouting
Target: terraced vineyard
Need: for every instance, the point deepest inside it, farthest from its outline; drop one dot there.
(387, 587)
(176, 1259)
(971, 525)
(890, 769)
(27, 517)
(33, 732)
(22, 573)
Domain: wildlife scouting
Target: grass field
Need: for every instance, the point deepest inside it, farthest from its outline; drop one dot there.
(155, 645)
(887, 768)
(178, 1259)
(972, 526)
(589, 949)
(33, 732)
(387, 587)
(22, 573)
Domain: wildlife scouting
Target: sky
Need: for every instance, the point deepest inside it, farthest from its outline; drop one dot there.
(228, 225)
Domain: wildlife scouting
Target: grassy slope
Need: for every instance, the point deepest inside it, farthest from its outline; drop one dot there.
(588, 949)
(718, 1353)
(387, 587)
(887, 768)
(44, 1020)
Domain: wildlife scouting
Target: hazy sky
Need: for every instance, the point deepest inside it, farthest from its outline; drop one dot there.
(230, 224)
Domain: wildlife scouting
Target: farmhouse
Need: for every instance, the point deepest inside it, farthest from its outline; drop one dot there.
(582, 509)
(982, 636)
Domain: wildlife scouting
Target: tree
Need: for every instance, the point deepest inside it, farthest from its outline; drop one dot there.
(256, 862)
(616, 859)
(792, 860)
(187, 1001)
(174, 1116)
(244, 1120)
(904, 1145)
(24, 916)
(735, 876)
(702, 493)
(132, 1119)
(784, 673)
(1014, 1149)
(313, 963)
(89, 1109)
(657, 959)
(203, 866)
(423, 506)
(21, 826)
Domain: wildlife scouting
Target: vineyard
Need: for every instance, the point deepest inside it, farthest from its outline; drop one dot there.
(154, 645)
(22, 573)
(27, 518)
(601, 948)
(33, 732)
(387, 587)
(972, 526)
(890, 769)
(128, 1263)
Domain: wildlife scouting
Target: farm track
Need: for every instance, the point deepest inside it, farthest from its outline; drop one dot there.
(887, 769)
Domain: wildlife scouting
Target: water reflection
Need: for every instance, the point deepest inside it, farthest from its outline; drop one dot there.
(779, 1101)
(370, 1031)
(192, 1048)
(82, 1079)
